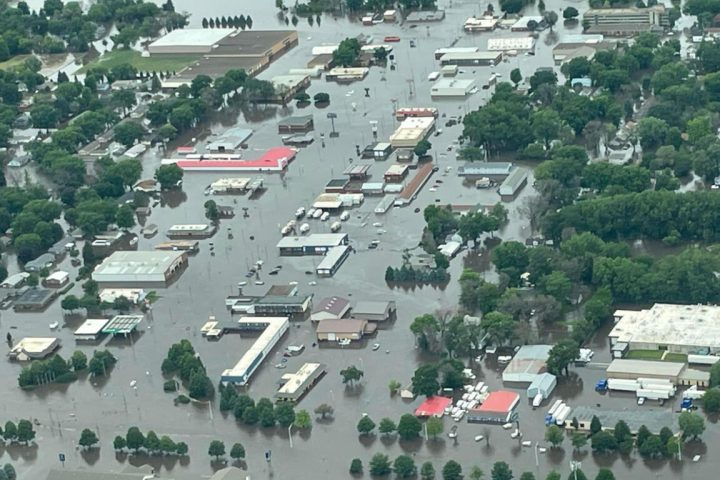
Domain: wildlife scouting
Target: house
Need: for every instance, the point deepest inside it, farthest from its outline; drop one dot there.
(345, 329)
(57, 279)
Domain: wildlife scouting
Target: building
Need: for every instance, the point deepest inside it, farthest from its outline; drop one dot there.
(373, 188)
(140, 267)
(190, 40)
(330, 308)
(328, 201)
(471, 59)
(412, 131)
(513, 184)
(15, 281)
(498, 407)
(377, 151)
(346, 75)
(90, 330)
(574, 46)
(233, 185)
(449, 70)
(425, 16)
(522, 23)
(442, 51)
(674, 372)
(374, 311)
(396, 173)
(482, 24)
(275, 159)
(122, 324)
(485, 169)
(202, 230)
(272, 328)
(34, 299)
(543, 384)
(452, 87)
(282, 305)
(190, 246)
(33, 348)
(358, 171)
(314, 244)
(46, 260)
(62, 246)
(297, 384)
(229, 473)
(57, 279)
(387, 202)
(654, 420)
(334, 258)
(344, 329)
(286, 86)
(134, 295)
(296, 124)
(407, 112)
(527, 364)
(284, 290)
(518, 44)
(624, 21)
(230, 141)
(433, 407)
(130, 472)
(668, 327)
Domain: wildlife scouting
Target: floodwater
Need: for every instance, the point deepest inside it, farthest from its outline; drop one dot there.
(110, 405)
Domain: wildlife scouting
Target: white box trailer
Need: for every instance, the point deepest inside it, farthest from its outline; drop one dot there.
(623, 385)
(556, 406)
(537, 400)
(652, 394)
(661, 382)
(562, 415)
(703, 359)
(693, 393)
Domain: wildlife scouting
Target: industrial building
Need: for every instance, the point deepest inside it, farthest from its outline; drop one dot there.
(344, 329)
(471, 59)
(90, 330)
(674, 328)
(623, 21)
(543, 385)
(190, 246)
(482, 24)
(485, 169)
(422, 16)
(297, 384)
(507, 44)
(230, 141)
(330, 308)
(452, 87)
(442, 51)
(528, 363)
(411, 131)
(188, 41)
(374, 311)
(202, 230)
(498, 407)
(140, 267)
(574, 46)
(654, 420)
(34, 299)
(33, 348)
(346, 75)
(296, 124)
(314, 244)
(273, 328)
(282, 305)
(513, 184)
(332, 261)
(674, 372)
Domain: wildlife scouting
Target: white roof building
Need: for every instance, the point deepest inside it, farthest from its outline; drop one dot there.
(189, 40)
(452, 87)
(33, 348)
(273, 329)
(141, 267)
(135, 295)
(411, 131)
(511, 43)
(91, 329)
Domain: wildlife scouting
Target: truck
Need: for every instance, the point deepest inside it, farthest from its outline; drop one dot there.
(601, 385)
(622, 385)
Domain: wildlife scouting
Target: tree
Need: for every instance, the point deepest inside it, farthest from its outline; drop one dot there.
(387, 426)
(501, 471)
(553, 475)
(500, 327)
(267, 418)
(88, 438)
(427, 471)
(25, 432)
(711, 401)
(570, 13)
(125, 217)
(554, 435)
(394, 386)
(302, 420)
(152, 442)
(9, 471)
(365, 426)
(550, 18)
(404, 466)
(324, 410)
(546, 124)
(167, 446)
(212, 212)
(652, 447)
(578, 440)
(169, 176)
(452, 471)
(422, 148)
(128, 133)
(285, 414)
(181, 448)
(119, 443)
(351, 374)
(425, 380)
(380, 465)
(476, 473)
(409, 427)
(9, 434)
(44, 116)
(380, 54)
(691, 424)
(434, 426)
(516, 76)
(216, 449)
(621, 432)
(70, 303)
(356, 467)
(603, 442)
(237, 451)
(562, 355)
(134, 439)
(605, 474)
(527, 476)
(347, 52)
(715, 373)
(595, 425)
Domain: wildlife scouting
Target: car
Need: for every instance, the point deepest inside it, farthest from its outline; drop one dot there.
(372, 246)
(249, 274)
(412, 43)
(259, 282)
(375, 347)
(273, 272)
(392, 38)
(435, 168)
(641, 400)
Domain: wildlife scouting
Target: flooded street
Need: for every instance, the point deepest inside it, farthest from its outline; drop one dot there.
(111, 406)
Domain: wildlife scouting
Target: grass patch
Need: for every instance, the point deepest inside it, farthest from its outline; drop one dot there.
(154, 63)
(644, 354)
(676, 357)
(14, 62)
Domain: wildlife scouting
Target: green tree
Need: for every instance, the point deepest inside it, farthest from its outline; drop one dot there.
(303, 421)
(267, 418)
(356, 467)
(500, 327)
(546, 124)
(128, 133)
(10, 433)
(570, 13)
(119, 443)
(237, 452)
(652, 447)
(427, 471)
(562, 355)
(387, 426)
(554, 435)
(169, 176)
(711, 400)
(422, 148)
(380, 465)
(152, 442)
(216, 449)
(516, 76)
(527, 476)
(452, 470)
(691, 424)
(603, 442)
(404, 466)
(501, 471)
(578, 440)
(166, 446)
(212, 212)
(10, 472)
(70, 303)
(25, 431)
(605, 474)
(409, 427)
(595, 425)
(134, 439)
(715, 370)
(324, 410)
(351, 374)
(365, 425)
(434, 426)
(476, 473)
(125, 217)
(347, 52)
(285, 414)
(181, 448)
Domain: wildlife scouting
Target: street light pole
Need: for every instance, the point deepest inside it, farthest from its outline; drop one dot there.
(290, 435)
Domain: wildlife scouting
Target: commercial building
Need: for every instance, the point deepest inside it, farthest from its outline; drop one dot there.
(374, 311)
(122, 324)
(529, 362)
(433, 407)
(296, 124)
(314, 244)
(332, 261)
(346, 75)
(297, 384)
(286, 86)
(130, 472)
(327, 201)
(344, 329)
(337, 185)
(373, 188)
(191, 246)
(15, 281)
(34, 299)
(46, 260)
(482, 24)
(407, 112)
(276, 159)
(543, 384)
(654, 420)
(202, 230)
(330, 308)
(507, 44)
(272, 328)
(140, 267)
(377, 151)
(674, 328)
(91, 329)
(134, 295)
(425, 16)
(387, 202)
(452, 87)
(623, 21)
(188, 40)
(471, 59)
(442, 51)
(574, 46)
(281, 305)
(57, 279)
(411, 131)
(522, 23)
(33, 348)
(358, 171)
(485, 169)
(396, 173)
(513, 184)
(498, 407)
(230, 141)
(674, 372)
(229, 185)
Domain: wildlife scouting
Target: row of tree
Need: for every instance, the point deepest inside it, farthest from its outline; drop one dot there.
(57, 370)
(136, 441)
(249, 412)
(242, 22)
(22, 432)
(182, 361)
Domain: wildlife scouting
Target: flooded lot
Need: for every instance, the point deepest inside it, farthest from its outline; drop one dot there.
(110, 405)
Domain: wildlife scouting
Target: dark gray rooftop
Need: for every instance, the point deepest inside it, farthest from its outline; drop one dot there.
(654, 420)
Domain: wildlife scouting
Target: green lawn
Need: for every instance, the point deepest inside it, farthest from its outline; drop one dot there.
(676, 357)
(155, 63)
(656, 355)
(14, 62)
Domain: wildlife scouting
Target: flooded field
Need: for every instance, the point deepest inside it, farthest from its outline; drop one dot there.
(111, 406)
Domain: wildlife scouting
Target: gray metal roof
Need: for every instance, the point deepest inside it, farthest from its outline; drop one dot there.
(643, 368)
(654, 420)
(371, 307)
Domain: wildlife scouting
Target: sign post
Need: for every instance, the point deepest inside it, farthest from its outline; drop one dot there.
(61, 457)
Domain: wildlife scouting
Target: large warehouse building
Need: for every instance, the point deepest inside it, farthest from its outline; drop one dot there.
(675, 328)
(127, 268)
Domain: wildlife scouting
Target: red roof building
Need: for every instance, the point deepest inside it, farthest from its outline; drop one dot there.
(498, 407)
(433, 406)
(275, 159)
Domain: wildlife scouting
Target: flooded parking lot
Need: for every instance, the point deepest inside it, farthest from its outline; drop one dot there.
(110, 405)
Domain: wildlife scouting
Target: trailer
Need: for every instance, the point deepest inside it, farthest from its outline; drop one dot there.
(563, 415)
(655, 382)
(703, 359)
(653, 394)
(693, 393)
(538, 400)
(623, 385)
(479, 386)
(555, 406)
